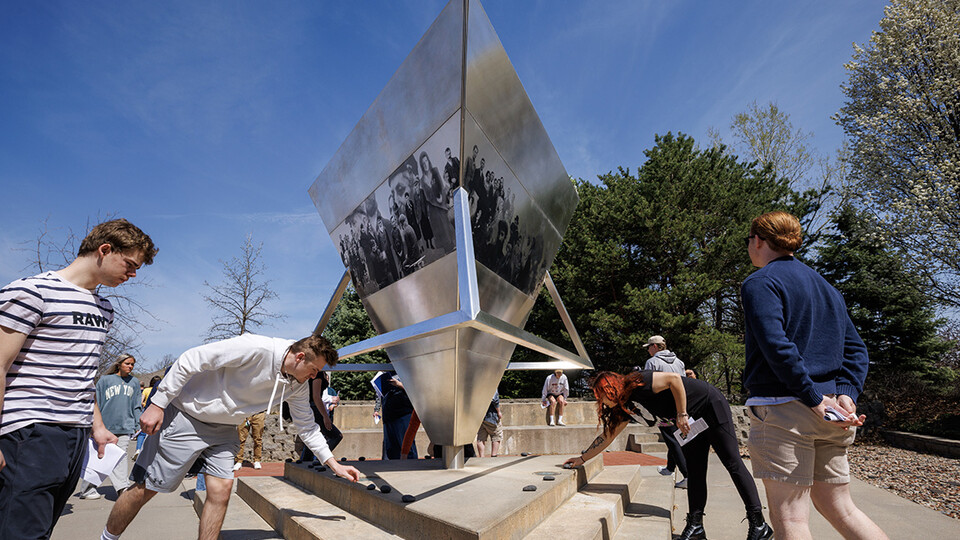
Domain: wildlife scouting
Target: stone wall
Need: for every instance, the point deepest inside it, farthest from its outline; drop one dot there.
(277, 445)
(923, 443)
(741, 423)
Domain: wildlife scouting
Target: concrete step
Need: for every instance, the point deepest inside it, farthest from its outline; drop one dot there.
(525, 412)
(649, 512)
(582, 517)
(241, 522)
(623, 501)
(645, 443)
(537, 439)
(617, 482)
(298, 514)
(483, 500)
(599, 507)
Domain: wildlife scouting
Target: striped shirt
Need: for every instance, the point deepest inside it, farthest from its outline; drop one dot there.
(51, 380)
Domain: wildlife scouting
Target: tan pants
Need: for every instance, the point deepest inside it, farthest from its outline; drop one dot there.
(252, 424)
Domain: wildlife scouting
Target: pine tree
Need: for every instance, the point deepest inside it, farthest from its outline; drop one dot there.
(895, 319)
(350, 324)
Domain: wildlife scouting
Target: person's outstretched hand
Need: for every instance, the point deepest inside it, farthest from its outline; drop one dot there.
(344, 471)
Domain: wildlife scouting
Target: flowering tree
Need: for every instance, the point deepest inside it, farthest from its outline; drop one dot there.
(902, 116)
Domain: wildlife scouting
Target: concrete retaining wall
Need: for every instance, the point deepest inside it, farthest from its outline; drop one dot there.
(522, 420)
(923, 443)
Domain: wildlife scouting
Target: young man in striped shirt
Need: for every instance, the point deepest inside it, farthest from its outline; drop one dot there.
(52, 329)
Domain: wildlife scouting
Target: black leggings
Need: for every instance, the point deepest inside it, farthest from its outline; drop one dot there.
(723, 439)
(675, 459)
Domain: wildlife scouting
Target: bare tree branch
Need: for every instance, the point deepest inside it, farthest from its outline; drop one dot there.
(240, 299)
(56, 247)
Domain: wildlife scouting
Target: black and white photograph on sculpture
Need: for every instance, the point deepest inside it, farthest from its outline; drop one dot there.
(510, 233)
(407, 222)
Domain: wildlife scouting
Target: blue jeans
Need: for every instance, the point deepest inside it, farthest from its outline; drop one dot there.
(393, 432)
(140, 438)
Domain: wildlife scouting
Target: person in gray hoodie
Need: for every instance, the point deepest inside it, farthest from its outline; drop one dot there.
(661, 359)
(206, 393)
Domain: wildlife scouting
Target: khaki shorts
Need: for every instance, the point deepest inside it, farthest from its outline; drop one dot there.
(789, 443)
(495, 431)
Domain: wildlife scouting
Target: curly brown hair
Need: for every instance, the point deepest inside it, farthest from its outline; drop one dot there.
(616, 388)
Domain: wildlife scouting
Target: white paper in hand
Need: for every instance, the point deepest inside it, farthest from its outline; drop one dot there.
(696, 427)
(96, 470)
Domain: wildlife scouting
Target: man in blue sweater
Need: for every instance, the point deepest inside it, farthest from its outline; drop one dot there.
(804, 370)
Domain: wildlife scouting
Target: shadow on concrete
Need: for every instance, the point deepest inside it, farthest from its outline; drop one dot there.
(646, 510)
(298, 513)
(247, 534)
(440, 489)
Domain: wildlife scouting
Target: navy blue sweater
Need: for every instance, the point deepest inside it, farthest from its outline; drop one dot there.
(799, 339)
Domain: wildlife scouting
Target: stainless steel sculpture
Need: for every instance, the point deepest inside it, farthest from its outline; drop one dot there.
(448, 265)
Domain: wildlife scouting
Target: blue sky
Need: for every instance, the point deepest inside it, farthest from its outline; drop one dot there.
(203, 122)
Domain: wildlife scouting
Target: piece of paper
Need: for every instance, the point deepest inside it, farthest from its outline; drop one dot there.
(696, 427)
(95, 469)
(835, 415)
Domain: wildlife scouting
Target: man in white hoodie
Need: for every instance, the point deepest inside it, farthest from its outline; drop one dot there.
(206, 393)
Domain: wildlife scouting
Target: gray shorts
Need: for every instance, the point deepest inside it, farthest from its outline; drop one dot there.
(167, 455)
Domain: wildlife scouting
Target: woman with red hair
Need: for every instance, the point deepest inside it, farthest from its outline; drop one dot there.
(668, 395)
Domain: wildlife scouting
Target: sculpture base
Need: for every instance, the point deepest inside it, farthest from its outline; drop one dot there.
(484, 500)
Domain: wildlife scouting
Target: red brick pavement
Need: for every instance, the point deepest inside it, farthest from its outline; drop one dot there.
(631, 458)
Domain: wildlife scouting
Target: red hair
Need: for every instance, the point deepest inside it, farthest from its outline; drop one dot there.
(617, 388)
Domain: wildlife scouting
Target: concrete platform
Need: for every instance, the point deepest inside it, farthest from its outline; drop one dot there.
(169, 515)
(295, 513)
(483, 500)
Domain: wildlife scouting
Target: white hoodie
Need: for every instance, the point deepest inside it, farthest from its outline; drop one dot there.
(226, 381)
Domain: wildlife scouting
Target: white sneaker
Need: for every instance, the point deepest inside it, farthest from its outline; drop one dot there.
(236, 466)
(256, 465)
(664, 471)
(681, 484)
(552, 423)
(91, 493)
(560, 421)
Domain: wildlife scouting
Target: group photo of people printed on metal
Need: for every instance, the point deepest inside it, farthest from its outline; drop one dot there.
(408, 221)
(509, 232)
